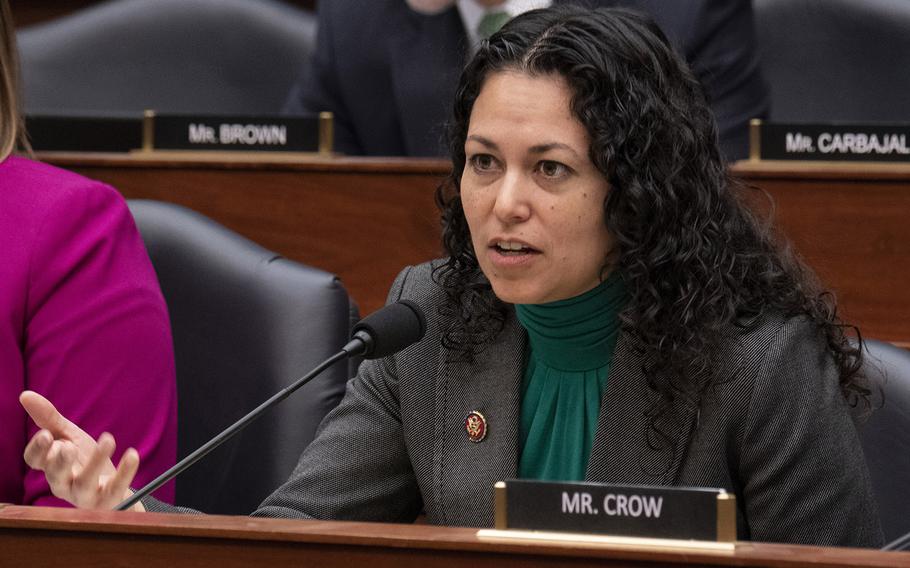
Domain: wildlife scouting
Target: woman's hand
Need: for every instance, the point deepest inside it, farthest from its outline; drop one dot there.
(78, 469)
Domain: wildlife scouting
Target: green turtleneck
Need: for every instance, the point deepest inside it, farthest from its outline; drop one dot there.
(572, 345)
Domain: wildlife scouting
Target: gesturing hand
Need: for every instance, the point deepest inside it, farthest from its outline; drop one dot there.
(78, 469)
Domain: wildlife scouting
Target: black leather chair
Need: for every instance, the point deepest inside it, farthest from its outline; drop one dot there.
(214, 56)
(886, 436)
(836, 60)
(246, 323)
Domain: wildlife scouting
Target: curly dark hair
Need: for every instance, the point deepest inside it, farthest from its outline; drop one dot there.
(696, 262)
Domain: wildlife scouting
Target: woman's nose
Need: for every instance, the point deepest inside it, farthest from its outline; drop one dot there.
(512, 199)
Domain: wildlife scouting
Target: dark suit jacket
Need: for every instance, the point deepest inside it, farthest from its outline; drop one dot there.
(776, 432)
(389, 74)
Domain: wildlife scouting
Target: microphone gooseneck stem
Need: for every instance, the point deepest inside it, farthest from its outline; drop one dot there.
(230, 432)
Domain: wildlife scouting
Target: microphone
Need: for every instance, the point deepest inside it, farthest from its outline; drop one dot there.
(385, 331)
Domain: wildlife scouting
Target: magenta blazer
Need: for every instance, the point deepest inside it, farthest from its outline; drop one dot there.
(82, 321)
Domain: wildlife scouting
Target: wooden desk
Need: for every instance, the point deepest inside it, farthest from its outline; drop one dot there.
(851, 223)
(365, 218)
(36, 537)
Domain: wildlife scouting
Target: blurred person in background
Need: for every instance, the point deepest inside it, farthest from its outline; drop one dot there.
(387, 69)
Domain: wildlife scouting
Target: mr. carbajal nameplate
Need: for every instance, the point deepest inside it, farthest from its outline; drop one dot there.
(243, 133)
(830, 142)
(620, 510)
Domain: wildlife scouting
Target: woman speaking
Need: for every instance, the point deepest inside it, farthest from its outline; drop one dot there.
(608, 311)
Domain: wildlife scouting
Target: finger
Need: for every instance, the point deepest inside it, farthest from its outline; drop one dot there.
(47, 417)
(117, 488)
(61, 461)
(99, 463)
(35, 453)
(54, 457)
(58, 468)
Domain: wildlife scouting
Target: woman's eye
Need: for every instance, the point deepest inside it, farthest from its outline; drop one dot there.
(483, 162)
(551, 169)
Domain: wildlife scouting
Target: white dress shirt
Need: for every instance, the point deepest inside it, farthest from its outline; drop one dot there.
(472, 12)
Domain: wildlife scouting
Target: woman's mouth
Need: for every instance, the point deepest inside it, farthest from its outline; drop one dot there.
(513, 248)
(511, 253)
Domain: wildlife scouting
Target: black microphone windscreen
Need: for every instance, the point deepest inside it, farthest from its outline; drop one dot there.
(392, 328)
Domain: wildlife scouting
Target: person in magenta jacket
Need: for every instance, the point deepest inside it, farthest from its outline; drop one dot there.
(82, 319)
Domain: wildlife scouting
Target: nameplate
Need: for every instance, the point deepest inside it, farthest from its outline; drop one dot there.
(239, 133)
(836, 142)
(622, 510)
(84, 133)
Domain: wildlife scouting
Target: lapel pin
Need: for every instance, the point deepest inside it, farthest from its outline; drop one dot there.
(476, 426)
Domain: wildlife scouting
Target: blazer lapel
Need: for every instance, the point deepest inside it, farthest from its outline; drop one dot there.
(625, 449)
(490, 386)
(426, 60)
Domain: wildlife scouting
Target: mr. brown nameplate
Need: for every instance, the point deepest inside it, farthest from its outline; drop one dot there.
(680, 513)
(240, 133)
(128, 132)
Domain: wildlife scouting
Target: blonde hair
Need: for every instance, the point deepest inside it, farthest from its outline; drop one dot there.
(12, 132)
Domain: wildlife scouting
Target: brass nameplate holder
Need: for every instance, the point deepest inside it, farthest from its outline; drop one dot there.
(834, 142)
(615, 515)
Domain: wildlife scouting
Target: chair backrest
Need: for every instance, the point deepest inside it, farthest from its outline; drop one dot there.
(886, 436)
(214, 56)
(246, 323)
(836, 60)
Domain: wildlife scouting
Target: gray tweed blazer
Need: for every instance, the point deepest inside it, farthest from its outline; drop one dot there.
(776, 432)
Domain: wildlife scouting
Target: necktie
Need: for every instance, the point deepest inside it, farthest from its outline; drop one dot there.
(490, 23)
